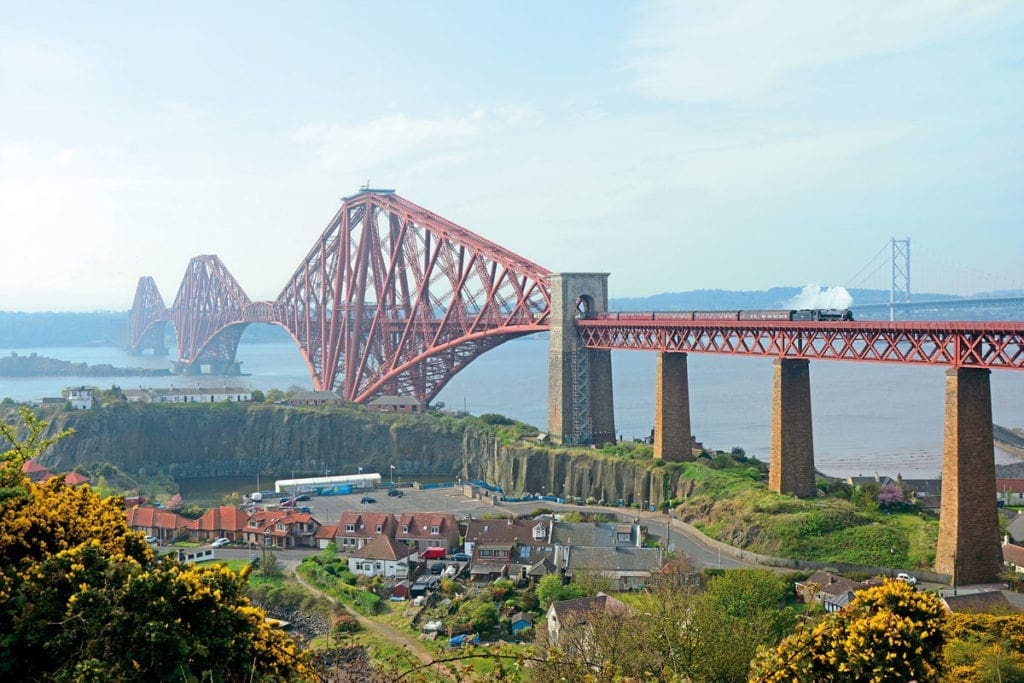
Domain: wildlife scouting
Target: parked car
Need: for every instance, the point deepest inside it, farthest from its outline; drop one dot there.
(220, 542)
(303, 498)
(396, 493)
(437, 567)
(152, 540)
(462, 557)
(284, 500)
(290, 503)
(903, 576)
(304, 510)
(368, 499)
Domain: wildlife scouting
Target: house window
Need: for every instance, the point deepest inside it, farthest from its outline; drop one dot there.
(405, 528)
(435, 530)
(379, 528)
(350, 528)
(280, 526)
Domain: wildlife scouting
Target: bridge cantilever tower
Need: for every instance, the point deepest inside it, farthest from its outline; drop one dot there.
(393, 299)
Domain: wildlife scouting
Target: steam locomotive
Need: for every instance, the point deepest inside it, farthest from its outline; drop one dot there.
(805, 314)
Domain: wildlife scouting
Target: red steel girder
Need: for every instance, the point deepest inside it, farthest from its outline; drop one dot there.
(148, 317)
(994, 345)
(393, 299)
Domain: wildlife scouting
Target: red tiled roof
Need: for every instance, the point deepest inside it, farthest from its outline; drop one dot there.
(223, 518)
(268, 520)
(1013, 554)
(327, 531)
(74, 479)
(1009, 485)
(154, 518)
(418, 520)
(364, 524)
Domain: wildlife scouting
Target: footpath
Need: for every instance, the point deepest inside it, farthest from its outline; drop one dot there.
(413, 646)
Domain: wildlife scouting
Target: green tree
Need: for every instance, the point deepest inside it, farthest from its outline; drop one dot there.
(257, 396)
(484, 617)
(754, 596)
(551, 589)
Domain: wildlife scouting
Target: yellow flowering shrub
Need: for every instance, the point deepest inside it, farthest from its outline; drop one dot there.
(83, 598)
(888, 633)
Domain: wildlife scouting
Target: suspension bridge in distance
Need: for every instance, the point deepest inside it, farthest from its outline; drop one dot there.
(392, 299)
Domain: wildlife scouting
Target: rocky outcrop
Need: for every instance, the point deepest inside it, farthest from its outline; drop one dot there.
(186, 441)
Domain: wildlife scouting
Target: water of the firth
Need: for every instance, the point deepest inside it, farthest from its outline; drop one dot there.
(867, 417)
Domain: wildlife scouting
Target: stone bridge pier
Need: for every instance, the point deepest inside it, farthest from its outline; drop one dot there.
(581, 410)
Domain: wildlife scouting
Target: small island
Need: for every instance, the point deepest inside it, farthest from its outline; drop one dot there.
(34, 365)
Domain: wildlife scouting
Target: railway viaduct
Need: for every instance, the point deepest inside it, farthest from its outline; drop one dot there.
(393, 299)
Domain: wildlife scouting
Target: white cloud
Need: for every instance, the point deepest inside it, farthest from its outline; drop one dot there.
(396, 136)
(721, 52)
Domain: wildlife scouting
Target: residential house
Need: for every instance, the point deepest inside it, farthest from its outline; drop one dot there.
(422, 530)
(356, 529)
(281, 529)
(34, 471)
(395, 404)
(383, 556)
(564, 615)
(80, 398)
(165, 525)
(509, 547)
(832, 590)
(225, 521)
(925, 492)
(314, 398)
(628, 567)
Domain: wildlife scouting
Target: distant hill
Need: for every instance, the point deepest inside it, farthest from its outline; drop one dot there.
(20, 330)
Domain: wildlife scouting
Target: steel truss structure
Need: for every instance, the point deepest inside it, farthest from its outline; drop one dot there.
(392, 299)
(997, 345)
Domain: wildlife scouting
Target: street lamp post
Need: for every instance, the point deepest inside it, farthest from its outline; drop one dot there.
(392, 475)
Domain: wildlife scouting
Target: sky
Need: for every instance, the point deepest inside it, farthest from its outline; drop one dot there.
(676, 145)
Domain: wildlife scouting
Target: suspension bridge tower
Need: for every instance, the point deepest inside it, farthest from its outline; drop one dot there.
(899, 289)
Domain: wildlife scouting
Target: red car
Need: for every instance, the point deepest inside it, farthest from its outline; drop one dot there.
(290, 503)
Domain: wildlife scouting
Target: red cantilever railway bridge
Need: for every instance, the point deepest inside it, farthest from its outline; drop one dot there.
(993, 345)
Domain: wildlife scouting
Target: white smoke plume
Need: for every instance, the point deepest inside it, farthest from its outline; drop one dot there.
(813, 296)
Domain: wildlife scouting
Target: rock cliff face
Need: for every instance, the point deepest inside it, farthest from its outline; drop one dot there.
(243, 440)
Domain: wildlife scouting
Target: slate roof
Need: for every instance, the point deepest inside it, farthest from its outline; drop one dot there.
(831, 584)
(579, 606)
(592, 533)
(982, 602)
(1016, 527)
(616, 559)
(314, 396)
(383, 548)
(499, 531)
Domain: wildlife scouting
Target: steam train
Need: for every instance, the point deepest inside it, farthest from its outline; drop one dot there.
(805, 314)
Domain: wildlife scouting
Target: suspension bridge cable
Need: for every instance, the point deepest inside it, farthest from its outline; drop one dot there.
(855, 282)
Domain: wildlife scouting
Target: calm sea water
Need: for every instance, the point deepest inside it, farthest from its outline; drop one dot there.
(867, 417)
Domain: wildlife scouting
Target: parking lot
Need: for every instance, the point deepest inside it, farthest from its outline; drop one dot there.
(328, 509)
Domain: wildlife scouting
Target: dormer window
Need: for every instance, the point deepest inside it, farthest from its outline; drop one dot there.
(350, 528)
(435, 530)
(380, 528)
(539, 532)
(405, 528)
